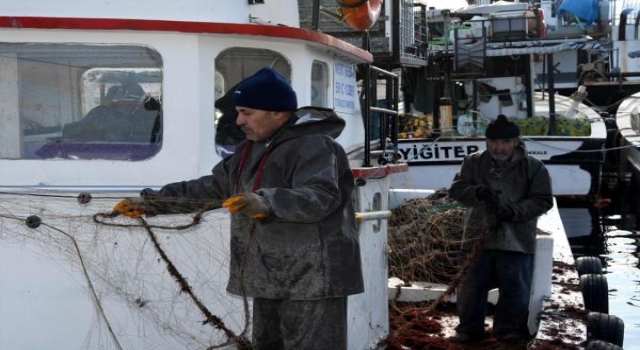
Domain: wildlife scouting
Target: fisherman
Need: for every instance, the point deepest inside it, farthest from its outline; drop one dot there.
(506, 190)
(127, 115)
(294, 243)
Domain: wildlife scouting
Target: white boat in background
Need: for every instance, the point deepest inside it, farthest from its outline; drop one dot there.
(573, 161)
(606, 63)
(482, 61)
(628, 123)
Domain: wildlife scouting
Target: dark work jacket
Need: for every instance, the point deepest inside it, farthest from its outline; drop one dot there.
(308, 248)
(524, 185)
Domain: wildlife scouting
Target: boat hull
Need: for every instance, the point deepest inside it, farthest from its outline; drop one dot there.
(573, 162)
(77, 278)
(628, 122)
(434, 163)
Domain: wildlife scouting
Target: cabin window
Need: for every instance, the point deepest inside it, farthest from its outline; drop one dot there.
(232, 66)
(237, 63)
(79, 101)
(319, 84)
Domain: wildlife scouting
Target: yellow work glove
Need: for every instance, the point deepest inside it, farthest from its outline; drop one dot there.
(250, 204)
(130, 208)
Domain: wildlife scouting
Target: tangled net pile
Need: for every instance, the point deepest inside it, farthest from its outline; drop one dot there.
(425, 235)
(425, 239)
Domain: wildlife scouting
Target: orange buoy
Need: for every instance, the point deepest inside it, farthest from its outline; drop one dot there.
(360, 14)
(543, 24)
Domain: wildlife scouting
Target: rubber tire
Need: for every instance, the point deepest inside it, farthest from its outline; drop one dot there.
(602, 345)
(589, 264)
(595, 292)
(605, 327)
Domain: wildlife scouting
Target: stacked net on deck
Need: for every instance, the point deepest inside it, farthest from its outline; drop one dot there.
(425, 235)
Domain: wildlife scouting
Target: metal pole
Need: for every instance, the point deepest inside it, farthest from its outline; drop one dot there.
(396, 121)
(552, 97)
(528, 87)
(366, 113)
(315, 15)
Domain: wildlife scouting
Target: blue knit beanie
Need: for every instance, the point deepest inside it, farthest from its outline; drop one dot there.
(266, 90)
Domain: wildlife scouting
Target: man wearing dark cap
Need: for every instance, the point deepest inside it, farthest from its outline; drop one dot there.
(294, 243)
(505, 190)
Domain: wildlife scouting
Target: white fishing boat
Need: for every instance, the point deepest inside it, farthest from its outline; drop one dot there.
(104, 98)
(573, 161)
(628, 123)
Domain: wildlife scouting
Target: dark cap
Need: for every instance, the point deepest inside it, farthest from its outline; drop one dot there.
(502, 128)
(266, 90)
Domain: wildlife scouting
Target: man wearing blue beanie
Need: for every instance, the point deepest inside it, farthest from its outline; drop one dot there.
(294, 242)
(266, 90)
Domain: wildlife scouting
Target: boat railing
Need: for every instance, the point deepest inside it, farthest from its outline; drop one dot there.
(508, 29)
(623, 11)
(387, 117)
(412, 33)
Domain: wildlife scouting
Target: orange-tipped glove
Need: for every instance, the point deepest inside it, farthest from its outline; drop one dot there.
(130, 207)
(250, 204)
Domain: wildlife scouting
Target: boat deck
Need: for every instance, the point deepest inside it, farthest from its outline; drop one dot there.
(558, 305)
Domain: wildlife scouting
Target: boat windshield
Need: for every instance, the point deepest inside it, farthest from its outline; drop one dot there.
(80, 101)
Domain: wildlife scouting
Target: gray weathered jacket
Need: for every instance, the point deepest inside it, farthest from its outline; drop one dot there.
(308, 248)
(524, 185)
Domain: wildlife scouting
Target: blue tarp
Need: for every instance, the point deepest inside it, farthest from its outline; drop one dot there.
(586, 10)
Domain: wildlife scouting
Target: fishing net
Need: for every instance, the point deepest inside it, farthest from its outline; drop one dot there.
(425, 236)
(101, 282)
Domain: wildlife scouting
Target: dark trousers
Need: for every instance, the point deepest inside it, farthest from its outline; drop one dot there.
(513, 273)
(300, 324)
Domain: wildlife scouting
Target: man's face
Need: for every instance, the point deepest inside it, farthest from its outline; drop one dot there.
(258, 124)
(502, 149)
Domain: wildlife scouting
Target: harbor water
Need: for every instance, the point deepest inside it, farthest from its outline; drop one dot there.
(613, 234)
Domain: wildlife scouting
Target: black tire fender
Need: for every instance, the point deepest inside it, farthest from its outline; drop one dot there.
(589, 264)
(595, 292)
(602, 345)
(605, 327)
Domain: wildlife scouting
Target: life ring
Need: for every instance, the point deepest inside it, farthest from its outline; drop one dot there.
(360, 14)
